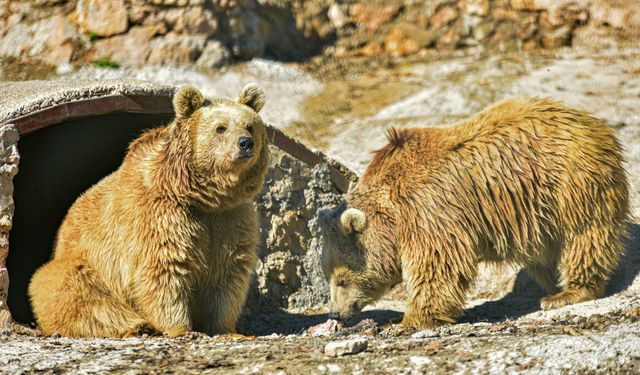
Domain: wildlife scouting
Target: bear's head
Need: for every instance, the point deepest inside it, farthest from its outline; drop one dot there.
(224, 144)
(353, 260)
(226, 135)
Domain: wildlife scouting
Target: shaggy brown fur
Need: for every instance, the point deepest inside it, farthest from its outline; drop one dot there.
(168, 241)
(526, 181)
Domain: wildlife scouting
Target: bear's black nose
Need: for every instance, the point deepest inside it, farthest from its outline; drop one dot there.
(245, 144)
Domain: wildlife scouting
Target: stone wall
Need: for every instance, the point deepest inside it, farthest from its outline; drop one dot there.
(289, 274)
(404, 28)
(208, 33)
(212, 33)
(9, 160)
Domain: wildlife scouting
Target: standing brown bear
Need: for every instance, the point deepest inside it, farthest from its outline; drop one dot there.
(526, 181)
(168, 241)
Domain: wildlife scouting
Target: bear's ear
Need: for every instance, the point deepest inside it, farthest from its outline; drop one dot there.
(187, 100)
(252, 96)
(353, 220)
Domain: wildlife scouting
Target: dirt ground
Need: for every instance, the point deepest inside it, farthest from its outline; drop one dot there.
(600, 343)
(342, 108)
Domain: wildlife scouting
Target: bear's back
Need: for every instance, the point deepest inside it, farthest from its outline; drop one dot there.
(518, 175)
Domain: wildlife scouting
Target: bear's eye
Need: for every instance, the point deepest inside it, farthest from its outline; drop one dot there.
(250, 129)
(342, 283)
(221, 129)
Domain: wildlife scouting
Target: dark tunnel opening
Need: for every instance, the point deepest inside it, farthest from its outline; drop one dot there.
(57, 164)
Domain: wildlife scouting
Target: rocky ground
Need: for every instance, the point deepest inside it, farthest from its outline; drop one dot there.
(342, 107)
(571, 344)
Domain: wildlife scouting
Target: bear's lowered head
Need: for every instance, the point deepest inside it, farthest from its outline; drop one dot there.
(355, 260)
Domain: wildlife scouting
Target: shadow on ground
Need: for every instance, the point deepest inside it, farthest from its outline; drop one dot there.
(523, 299)
(286, 323)
(526, 294)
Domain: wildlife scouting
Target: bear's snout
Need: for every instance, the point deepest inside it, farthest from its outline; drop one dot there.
(345, 314)
(246, 146)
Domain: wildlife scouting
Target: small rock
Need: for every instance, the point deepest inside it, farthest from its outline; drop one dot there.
(340, 348)
(462, 328)
(443, 17)
(503, 14)
(633, 312)
(406, 39)
(482, 324)
(396, 330)
(196, 20)
(627, 17)
(556, 38)
(530, 45)
(373, 16)
(64, 68)
(337, 16)
(570, 14)
(324, 329)
(176, 48)
(536, 4)
(214, 56)
(527, 28)
(448, 40)
(105, 18)
(425, 334)
(139, 11)
(372, 49)
(475, 7)
(420, 361)
(130, 49)
(482, 30)
(249, 39)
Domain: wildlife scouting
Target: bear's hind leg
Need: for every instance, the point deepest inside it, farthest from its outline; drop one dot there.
(545, 276)
(68, 297)
(586, 264)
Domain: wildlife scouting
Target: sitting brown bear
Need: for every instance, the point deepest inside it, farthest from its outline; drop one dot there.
(168, 241)
(526, 181)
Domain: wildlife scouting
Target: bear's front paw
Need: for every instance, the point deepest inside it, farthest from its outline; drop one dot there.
(422, 322)
(566, 297)
(141, 329)
(176, 331)
(195, 334)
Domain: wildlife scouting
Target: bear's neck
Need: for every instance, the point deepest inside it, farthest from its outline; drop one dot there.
(383, 261)
(222, 190)
(171, 176)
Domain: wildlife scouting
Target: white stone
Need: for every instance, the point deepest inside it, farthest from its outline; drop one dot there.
(337, 16)
(420, 361)
(340, 348)
(425, 334)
